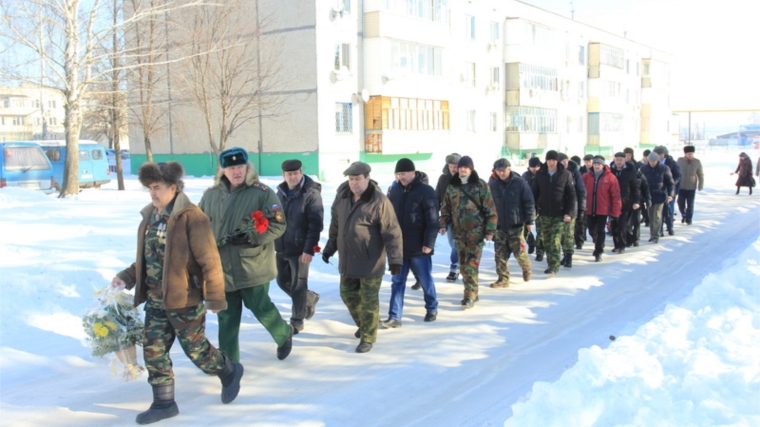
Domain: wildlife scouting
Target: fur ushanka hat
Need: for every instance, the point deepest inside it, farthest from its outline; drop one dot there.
(168, 173)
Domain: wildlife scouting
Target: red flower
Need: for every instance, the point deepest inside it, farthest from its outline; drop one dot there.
(316, 249)
(257, 215)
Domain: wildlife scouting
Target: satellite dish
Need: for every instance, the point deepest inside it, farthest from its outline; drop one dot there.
(365, 95)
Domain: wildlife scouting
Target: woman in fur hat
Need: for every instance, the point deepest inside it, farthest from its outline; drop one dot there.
(176, 269)
(744, 170)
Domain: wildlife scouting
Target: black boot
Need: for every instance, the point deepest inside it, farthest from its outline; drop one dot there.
(163, 405)
(564, 260)
(230, 377)
(737, 189)
(569, 260)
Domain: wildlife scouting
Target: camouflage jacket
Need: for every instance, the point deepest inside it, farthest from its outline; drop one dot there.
(191, 270)
(230, 209)
(472, 217)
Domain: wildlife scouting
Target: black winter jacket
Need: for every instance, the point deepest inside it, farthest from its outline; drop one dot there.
(513, 200)
(528, 177)
(675, 170)
(555, 196)
(304, 214)
(443, 183)
(630, 185)
(580, 187)
(660, 182)
(416, 208)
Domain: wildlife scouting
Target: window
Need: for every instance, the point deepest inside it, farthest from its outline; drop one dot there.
(416, 59)
(637, 68)
(628, 66)
(582, 55)
(611, 56)
(493, 122)
(495, 74)
(407, 114)
(434, 10)
(468, 75)
(97, 154)
(604, 122)
(343, 5)
(25, 159)
(53, 155)
(343, 117)
(531, 119)
(469, 27)
(539, 78)
(495, 33)
(51, 103)
(470, 117)
(581, 89)
(342, 56)
(84, 155)
(18, 120)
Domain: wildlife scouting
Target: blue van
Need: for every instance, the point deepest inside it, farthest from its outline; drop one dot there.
(23, 164)
(93, 162)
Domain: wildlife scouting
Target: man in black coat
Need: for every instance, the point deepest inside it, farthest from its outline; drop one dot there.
(629, 183)
(301, 201)
(416, 208)
(516, 211)
(572, 237)
(554, 193)
(534, 243)
(440, 191)
(668, 210)
(661, 191)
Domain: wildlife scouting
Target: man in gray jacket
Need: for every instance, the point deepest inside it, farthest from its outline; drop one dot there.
(692, 180)
(362, 228)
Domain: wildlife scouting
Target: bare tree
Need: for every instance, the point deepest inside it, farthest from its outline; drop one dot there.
(232, 75)
(65, 36)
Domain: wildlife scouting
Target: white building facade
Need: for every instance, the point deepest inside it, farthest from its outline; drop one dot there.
(377, 80)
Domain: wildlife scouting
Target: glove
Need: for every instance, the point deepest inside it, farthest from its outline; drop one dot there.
(325, 258)
(238, 238)
(395, 269)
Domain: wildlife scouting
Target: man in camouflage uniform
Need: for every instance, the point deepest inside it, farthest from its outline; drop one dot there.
(569, 241)
(468, 207)
(363, 228)
(246, 218)
(554, 193)
(176, 269)
(516, 211)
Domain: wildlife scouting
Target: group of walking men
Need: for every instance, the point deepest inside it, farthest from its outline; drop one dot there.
(242, 234)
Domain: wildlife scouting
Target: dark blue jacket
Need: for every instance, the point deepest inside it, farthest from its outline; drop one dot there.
(675, 170)
(304, 214)
(660, 182)
(630, 185)
(416, 208)
(513, 200)
(554, 195)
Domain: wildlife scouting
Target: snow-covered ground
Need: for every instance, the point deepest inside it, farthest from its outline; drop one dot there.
(685, 314)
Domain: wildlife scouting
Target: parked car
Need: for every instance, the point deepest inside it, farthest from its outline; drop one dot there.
(93, 163)
(23, 164)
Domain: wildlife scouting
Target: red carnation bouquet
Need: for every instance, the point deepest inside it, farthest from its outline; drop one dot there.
(256, 222)
(260, 223)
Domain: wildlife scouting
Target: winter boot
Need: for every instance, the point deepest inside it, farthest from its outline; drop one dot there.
(539, 257)
(163, 405)
(311, 304)
(283, 351)
(527, 274)
(230, 376)
(564, 260)
(568, 260)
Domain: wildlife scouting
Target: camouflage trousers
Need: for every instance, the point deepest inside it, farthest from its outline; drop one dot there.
(362, 298)
(539, 241)
(469, 260)
(189, 326)
(551, 234)
(568, 237)
(507, 242)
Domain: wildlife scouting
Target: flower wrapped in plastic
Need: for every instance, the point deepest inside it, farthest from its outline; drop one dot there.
(114, 325)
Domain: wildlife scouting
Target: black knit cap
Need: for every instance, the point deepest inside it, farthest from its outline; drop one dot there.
(576, 159)
(534, 162)
(552, 155)
(561, 156)
(291, 165)
(466, 161)
(588, 157)
(404, 165)
(688, 149)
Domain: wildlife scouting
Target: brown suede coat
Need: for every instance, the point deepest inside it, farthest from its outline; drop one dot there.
(192, 268)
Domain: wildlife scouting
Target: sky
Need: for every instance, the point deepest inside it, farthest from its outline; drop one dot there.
(684, 317)
(714, 43)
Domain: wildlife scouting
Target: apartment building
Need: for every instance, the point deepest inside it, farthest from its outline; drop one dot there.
(376, 80)
(30, 112)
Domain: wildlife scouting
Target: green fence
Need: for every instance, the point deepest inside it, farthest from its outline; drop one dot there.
(205, 164)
